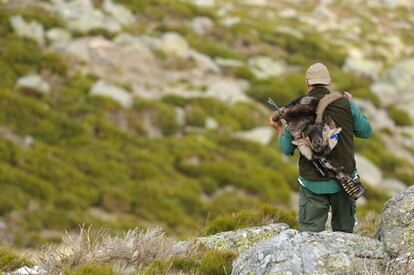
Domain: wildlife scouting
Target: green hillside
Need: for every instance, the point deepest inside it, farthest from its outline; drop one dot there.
(69, 158)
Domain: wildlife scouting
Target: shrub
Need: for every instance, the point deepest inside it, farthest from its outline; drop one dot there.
(282, 90)
(213, 48)
(162, 115)
(10, 260)
(195, 116)
(400, 117)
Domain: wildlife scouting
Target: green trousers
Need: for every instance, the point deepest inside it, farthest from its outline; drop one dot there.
(314, 208)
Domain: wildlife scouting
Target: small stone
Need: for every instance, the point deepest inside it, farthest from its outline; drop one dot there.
(102, 88)
(34, 83)
(211, 123)
(201, 25)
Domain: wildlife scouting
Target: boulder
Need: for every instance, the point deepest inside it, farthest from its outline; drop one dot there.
(240, 240)
(226, 90)
(294, 252)
(265, 67)
(118, 12)
(368, 171)
(396, 230)
(102, 88)
(174, 44)
(262, 135)
(34, 84)
(393, 186)
(32, 30)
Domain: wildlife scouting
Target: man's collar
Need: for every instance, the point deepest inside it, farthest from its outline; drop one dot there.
(319, 90)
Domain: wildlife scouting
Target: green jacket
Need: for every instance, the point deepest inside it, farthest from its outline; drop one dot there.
(347, 116)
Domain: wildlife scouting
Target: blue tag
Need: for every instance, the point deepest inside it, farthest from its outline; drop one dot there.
(335, 136)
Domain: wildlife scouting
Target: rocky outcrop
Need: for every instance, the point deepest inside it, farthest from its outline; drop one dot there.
(297, 252)
(396, 230)
(242, 239)
(312, 253)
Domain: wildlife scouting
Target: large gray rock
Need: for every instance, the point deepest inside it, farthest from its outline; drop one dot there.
(396, 229)
(240, 240)
(293, 252)
(265, 67)
(227, 90)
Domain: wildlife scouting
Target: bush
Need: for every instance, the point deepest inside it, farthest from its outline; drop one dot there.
(162, 115)
(213, 48)
(400, 117)
(195, 116)
(10, 260)
(281, 90)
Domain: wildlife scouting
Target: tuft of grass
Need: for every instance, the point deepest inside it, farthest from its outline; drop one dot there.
(146, 252)
(135, 247)
(400, 117)
(246, 218)
(368, 224)
(10, 260)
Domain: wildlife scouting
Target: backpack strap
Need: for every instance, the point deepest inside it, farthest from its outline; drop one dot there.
(324, 103)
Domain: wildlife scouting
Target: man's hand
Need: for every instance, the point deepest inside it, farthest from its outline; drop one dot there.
(348, 95)
(278, 126)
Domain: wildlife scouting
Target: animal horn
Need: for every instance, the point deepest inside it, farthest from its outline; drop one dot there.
(324, 102)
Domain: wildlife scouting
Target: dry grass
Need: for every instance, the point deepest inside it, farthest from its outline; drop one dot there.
(367, 225)
(129, 251)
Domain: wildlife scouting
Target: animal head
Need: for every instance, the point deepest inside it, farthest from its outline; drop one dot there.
(317, 137)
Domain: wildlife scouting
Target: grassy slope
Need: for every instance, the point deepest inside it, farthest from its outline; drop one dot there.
(82, 161)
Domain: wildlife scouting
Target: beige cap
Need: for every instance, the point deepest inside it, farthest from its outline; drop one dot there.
(318, 74)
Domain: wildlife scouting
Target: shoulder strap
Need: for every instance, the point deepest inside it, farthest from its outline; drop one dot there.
(324, 103)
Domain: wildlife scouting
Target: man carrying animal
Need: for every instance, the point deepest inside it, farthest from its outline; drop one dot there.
(320, 193)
